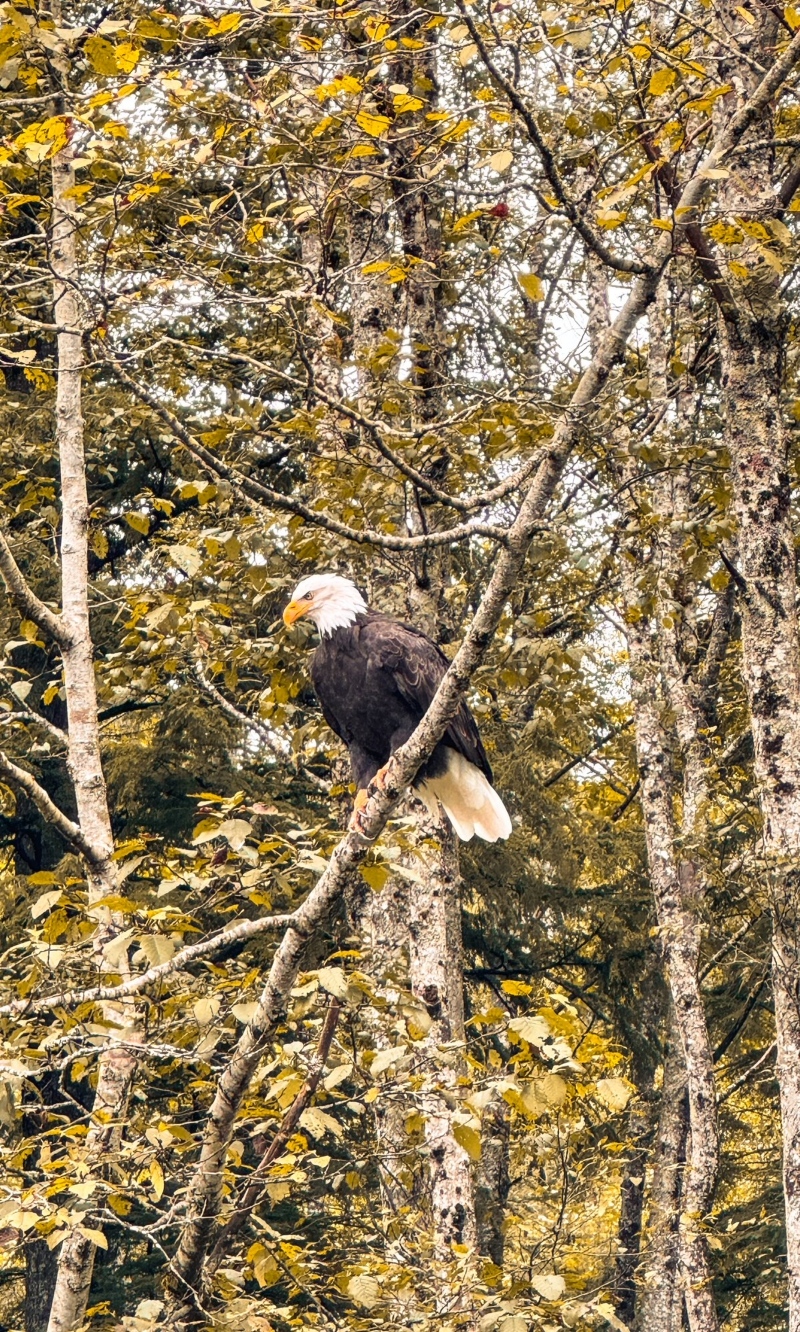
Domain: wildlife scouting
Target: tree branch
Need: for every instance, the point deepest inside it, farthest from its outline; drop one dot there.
(257, 492)
(253, 723)
(548, 161)
(245, 929)
(26, 600)
(254, 1191)
(50, 813)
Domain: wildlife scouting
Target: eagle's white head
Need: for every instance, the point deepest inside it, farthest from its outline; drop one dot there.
(331, 601)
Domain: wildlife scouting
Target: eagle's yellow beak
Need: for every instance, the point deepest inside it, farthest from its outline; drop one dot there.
(294, 611)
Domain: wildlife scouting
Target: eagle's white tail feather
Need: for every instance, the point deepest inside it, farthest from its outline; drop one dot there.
(468, 799)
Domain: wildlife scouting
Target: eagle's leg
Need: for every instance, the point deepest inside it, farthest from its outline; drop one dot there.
(361, 799)
(379, 780)
(359, 804)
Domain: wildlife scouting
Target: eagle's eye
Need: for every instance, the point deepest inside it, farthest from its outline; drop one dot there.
(309, 596)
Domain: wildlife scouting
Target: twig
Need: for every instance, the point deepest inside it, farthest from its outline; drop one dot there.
(748, 1073)
(254, 1191)
(254, 724)
(256, 492)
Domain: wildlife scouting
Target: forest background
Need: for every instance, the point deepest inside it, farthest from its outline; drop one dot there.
(492, 307)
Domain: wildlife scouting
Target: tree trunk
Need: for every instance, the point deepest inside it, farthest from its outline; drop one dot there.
(116, 1065)
(436, 972)
(751, 347)
(676, 882)
(660, 1304)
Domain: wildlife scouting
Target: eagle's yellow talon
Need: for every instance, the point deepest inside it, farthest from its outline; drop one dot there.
(359, 805)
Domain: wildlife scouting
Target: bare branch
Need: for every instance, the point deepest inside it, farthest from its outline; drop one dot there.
(376, 430)
(548, 161)
(50, 812)
(252, 1194)
(245, 929)
(25, 599)
(260, 494)
(748, 1073)
(253, 724)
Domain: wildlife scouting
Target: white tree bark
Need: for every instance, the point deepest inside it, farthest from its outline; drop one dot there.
(117, 1063)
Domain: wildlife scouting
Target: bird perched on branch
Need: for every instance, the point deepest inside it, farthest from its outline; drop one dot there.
(375, 679)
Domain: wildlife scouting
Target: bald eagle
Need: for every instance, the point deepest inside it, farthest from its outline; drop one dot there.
(375, 679)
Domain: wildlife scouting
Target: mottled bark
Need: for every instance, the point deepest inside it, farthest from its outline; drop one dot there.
(660, 1303)
(675, 891)
(655, 655)
(116, 1065)
(41, 1269)
(751, 345)
(436, 976)
(493, 1181)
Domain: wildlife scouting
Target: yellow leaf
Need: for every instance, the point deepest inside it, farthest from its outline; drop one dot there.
(42, 878)
(102, 56)
(379, 266)
(461, 223)
(516, 987)
(614, 1092)
(364, 1290)
(372, 123)
(127, 57)
(118, 1204)
(467, 53)
(660, 81)
(37, 152)
(792, 16)
(45, 902)
(549, 1287)
(469, 1139)
(95, 1236)
(375, 875)
(278, 1191)
(405, 102)
(228, 23)
(531, 285)
(157, 1179)
(139, 522)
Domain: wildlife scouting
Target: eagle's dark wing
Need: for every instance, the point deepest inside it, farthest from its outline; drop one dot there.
(417, 665)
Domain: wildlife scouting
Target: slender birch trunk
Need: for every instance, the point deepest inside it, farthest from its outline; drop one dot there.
(677, 885)
(674, 890)
(116, 1064)
(437, 977)
(751, 348)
